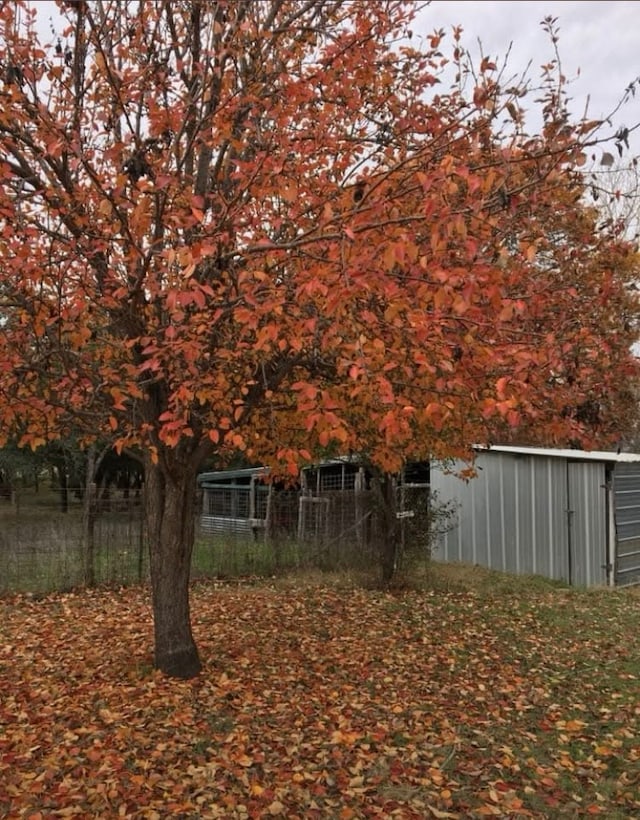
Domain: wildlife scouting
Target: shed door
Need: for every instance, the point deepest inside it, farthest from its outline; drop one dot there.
(626, 490)
(587, 518)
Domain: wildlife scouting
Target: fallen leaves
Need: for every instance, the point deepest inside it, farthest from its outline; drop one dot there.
(323, 703)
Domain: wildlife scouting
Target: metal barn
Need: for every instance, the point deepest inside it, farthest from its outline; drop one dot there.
(242, 501)
(234, 500)
(571, 515)
(332, 499)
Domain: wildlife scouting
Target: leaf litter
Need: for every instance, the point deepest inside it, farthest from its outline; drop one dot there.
(324, 702)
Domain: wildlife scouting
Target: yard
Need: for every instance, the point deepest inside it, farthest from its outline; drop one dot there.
(477, 695)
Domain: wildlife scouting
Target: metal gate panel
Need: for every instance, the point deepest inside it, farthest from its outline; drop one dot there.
(586, 484)
(626, 493)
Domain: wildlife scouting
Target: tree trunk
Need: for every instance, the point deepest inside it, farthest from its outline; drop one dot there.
(169, 512)
(385, 489)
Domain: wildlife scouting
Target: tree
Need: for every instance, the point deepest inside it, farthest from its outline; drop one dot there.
(18, 467)
(262, 225)
(613, 178)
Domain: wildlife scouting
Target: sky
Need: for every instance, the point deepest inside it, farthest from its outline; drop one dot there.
(599, 45)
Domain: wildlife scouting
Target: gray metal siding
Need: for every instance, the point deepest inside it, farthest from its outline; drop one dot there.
(588, 523)
(510, 517)
(514, 516)
(509, 532)
(548, 548)
(626, 494)
(235, 526)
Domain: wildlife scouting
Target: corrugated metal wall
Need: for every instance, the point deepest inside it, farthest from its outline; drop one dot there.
(223, 525)
(626, 490)
(515, 516)
(587, 522)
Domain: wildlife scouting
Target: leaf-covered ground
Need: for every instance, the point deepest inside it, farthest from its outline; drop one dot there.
(325, 702)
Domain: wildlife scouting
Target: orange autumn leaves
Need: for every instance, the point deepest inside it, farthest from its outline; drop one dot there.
(320, 702)
(281, 243)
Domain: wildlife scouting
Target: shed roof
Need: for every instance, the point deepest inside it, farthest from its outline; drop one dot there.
(248, 472)
(228, 475)
(573, 455)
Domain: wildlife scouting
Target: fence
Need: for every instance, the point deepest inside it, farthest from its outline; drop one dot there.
(43, 549)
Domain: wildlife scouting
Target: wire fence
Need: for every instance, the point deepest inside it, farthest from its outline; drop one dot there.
(44, 549)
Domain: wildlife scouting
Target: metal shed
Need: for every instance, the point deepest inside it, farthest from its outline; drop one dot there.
(570, 515)
(234, 500)
(242, 501)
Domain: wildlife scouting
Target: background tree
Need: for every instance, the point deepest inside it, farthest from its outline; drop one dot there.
(19, 468)
(614, 190)
(263, 225)
(614, 176)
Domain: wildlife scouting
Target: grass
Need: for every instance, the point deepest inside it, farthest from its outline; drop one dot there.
(41, 550)
(121, 558)
(471, 694)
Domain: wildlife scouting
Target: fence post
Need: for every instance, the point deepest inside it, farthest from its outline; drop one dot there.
(141, 540)
(89, 521)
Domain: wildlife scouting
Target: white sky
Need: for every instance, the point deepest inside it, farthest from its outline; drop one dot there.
(599, 45)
